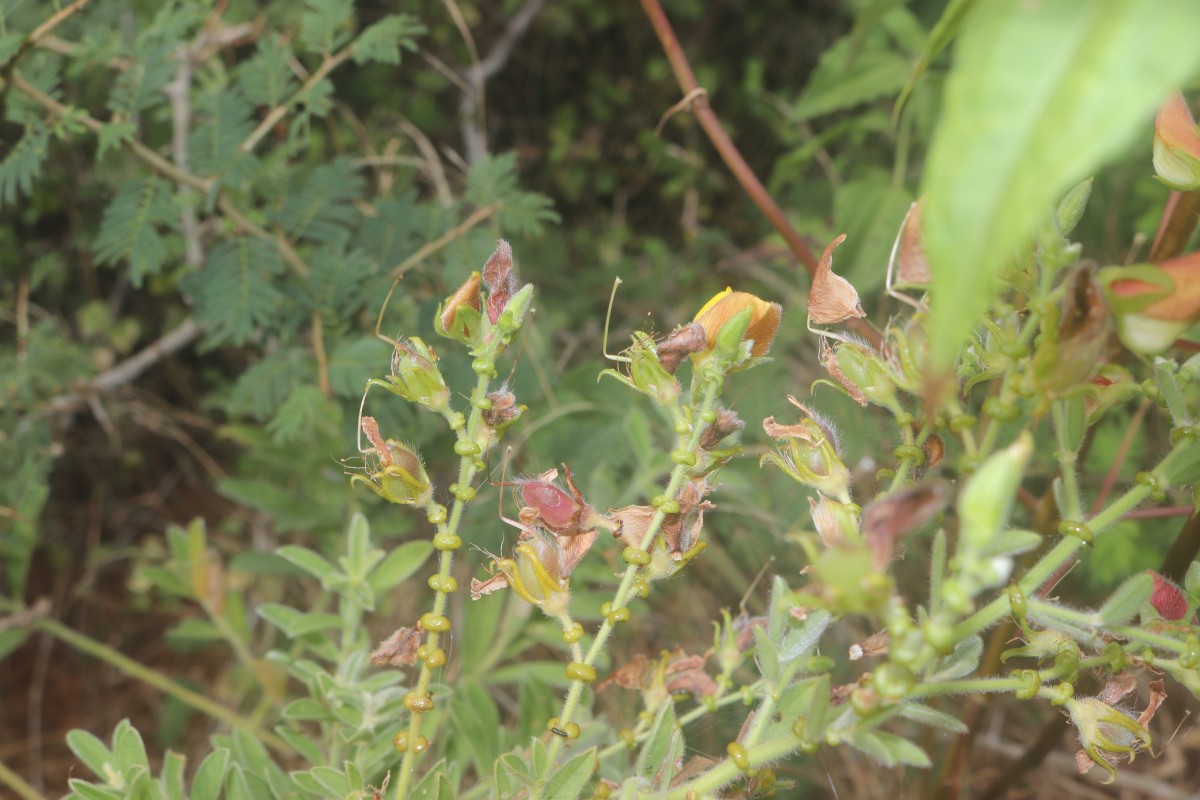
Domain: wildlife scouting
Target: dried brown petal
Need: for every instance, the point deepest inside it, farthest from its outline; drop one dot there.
(875, 645)
(371, 428)
(399, 649)
(888, 520)
(1158, 694)
(696, 765)
(629, 676)
(743, 626)
(680, 343)
(726, 423)
(493, 584)
(832, 297)
(503, 408)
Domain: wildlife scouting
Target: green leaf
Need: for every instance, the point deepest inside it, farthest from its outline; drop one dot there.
(942, 34)
(90, 791)
(194, 630)
(889, 748)
(129, 229)
(296, 623)
(235, 293)
(325, 25)
(434, 786)
(932, 717)
(263, 388)
(571, 777)
(307, 709)
(869, 211)
(382, 41)
(266, 77)
(11, 639)
(515, 766)
(334, 781)
(320, 207)
(335, 287)
(803, 638)
(305, 411)
(399, 565)
(476, 722)
(210, 775)
(139, 87)
(963, 661)
(849, 74)
(1039, 96)
(766, 655)
(1128, 599)
(173, 768)
(309, 561)
(23, 163)
(661, 748)
(215, 146)
(91, 751)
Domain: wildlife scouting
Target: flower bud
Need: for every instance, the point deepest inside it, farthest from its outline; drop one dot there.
(1154, 304)
(860, 372)
(809, 454)
(400, 476)
(1177, 146)
(724, 306)
(416, 377)
(458, 316)
(646, 372)
(1168, 599)
(499, 279)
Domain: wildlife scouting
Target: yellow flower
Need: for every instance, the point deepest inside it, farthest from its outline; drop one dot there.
(764, 318)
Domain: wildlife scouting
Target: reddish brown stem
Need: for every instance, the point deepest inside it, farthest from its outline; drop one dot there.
(720, 139)
(1179, 220)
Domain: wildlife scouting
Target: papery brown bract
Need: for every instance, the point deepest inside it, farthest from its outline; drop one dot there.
(680, 343)
(726, 424)
(888, 520)
(832, 298)
(399, 649)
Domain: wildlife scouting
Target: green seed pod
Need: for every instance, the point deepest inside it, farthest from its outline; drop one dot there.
(418, 703)
(447, 541)
(578, 671)
(632, 555)
(738, 755)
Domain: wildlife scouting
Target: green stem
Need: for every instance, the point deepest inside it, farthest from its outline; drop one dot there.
(624, 591)
(150, 677)
(968, 686)
(1048, 564)
(466, 475)
(18, 784)
(726, 771)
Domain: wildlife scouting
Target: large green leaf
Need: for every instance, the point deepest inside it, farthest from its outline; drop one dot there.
(1039, 96)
